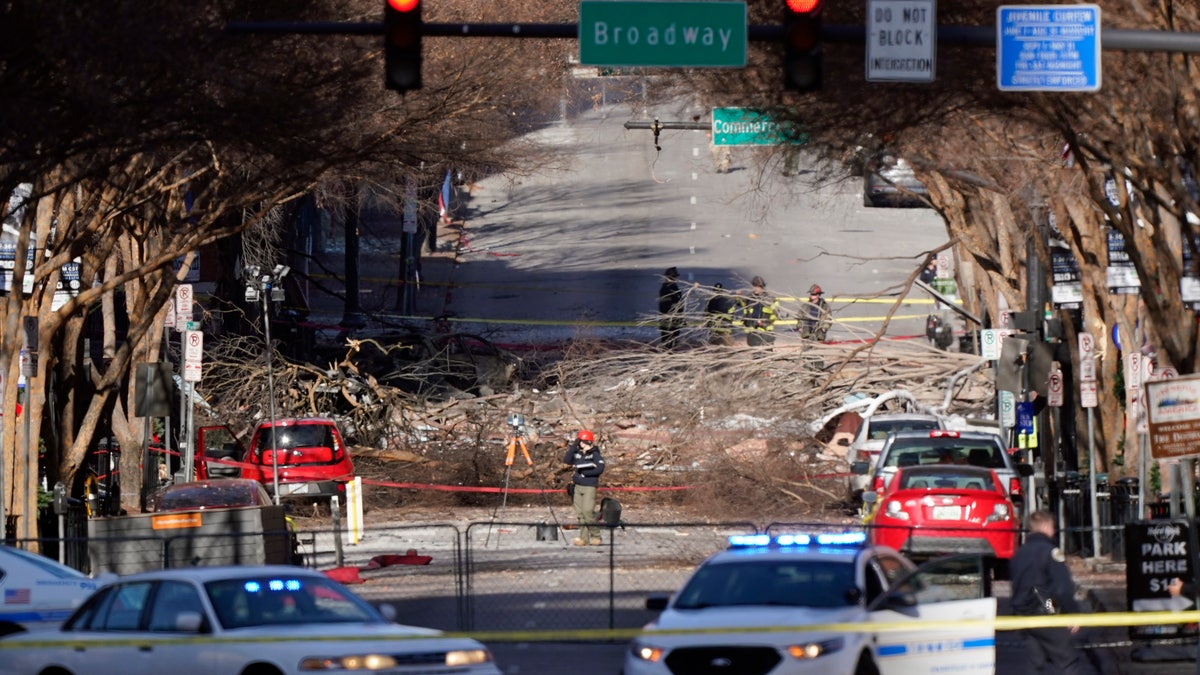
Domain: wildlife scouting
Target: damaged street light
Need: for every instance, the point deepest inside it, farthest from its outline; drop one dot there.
(264, 287)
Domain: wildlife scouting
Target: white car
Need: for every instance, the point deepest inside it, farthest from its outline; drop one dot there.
(941, 446)
(39, 593)
(870, 438)
(782, 605)
(244, 619)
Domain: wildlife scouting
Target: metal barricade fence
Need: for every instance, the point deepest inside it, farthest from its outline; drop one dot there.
(418, 569)
(518, 580)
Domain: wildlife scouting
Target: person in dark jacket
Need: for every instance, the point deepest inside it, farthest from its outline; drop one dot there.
(670, 309)
(1042, 585)
(584, 457)
(929, 273)
(719, 316)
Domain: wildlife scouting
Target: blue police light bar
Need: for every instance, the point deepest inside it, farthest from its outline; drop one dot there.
(746, 540)
(822, 539)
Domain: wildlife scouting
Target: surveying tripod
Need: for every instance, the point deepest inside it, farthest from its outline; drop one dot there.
(517, 440)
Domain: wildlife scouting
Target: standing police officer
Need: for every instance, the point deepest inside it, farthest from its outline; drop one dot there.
(1042, 585)
(584, 456)
(670, 309)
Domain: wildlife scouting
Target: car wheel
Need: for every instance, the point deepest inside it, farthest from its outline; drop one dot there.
(261, 669)
(867, 201)
(866, 665)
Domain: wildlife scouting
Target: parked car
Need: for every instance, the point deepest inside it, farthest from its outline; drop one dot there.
(870, 439)
(242, 619)
(216, 493)
(917, 448)
(727, 616)
(39, 593)
(311, 454)
(890, 181)
(945, 508)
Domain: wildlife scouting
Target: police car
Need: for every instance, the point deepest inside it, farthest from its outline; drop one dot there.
(821, 603)
(39, 593)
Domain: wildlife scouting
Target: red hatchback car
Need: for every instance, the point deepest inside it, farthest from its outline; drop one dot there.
(945, 508)
(312, 457)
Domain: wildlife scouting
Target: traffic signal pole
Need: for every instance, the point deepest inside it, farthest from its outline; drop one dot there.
(1114, 39)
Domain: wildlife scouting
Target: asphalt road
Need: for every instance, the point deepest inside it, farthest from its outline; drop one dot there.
(577, 248)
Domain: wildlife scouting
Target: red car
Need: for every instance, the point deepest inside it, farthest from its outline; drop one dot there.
(945, 508)
(312, 457)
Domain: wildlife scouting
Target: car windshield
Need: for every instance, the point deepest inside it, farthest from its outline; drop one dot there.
(281, 600)
(945, 451)
(297, 436)
(916, 479)
(882, 427)
(790, 583)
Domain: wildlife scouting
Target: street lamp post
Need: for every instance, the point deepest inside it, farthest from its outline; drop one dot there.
(268, 287)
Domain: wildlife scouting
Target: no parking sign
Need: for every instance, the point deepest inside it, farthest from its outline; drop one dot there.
(1054, 388)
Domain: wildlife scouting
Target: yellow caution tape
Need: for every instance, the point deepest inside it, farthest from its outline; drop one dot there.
(1000, 623)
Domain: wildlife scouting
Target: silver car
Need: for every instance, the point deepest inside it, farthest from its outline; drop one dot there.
(890, 181)
(871, 437)
(244, 619)
(974, 448)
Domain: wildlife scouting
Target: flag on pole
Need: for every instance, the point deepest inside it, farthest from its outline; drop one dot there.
(444, 199)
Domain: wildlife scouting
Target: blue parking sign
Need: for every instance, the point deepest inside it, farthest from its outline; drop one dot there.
(1025, 418)
(1048, 47)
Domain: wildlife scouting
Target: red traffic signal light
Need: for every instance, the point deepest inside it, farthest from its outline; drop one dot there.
(802, 45)
(402, 44)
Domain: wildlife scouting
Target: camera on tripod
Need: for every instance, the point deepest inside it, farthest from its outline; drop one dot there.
(516, 421)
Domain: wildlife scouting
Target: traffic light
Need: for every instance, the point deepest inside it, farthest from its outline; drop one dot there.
(802, 45)
(402, 44)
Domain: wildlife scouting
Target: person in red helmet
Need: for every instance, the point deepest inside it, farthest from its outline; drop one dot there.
(814, 321)
(583, 455)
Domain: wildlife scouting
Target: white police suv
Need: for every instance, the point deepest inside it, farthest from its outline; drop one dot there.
(39, 593)
(821, 603)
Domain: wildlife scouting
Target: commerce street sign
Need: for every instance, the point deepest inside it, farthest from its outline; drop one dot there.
(750, 126)
(673, 34)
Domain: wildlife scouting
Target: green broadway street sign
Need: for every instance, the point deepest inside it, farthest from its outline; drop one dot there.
(748, 126)
(679, 34)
